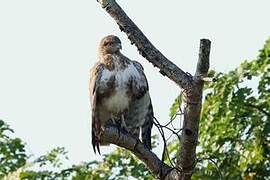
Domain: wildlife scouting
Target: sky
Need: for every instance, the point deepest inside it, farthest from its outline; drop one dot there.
(47, 48)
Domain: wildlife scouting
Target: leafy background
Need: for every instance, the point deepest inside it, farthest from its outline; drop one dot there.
(234, 136)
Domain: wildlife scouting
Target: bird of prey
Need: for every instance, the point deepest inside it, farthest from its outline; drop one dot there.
(119, 94)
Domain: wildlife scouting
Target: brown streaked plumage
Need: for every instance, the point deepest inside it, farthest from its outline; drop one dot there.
(119, 93)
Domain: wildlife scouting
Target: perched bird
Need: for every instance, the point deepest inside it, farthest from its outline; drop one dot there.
(119, 94)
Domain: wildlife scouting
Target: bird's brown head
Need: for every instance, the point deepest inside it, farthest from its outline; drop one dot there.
(110, 44)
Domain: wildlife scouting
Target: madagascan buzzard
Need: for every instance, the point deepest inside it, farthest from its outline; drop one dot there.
(119, 94)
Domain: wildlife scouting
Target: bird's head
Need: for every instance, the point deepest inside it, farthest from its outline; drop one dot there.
(110, 44)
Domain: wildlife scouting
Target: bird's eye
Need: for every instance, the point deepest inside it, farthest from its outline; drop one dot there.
(107, 43)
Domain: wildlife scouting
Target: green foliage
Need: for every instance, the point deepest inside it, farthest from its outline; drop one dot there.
(175, 106)
(53, 157)
(235, 122)
(234, 136)
(119, 165)
(12, 151)
(52, 160)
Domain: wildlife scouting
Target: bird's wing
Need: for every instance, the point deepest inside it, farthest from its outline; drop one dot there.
(143, 81)
(143, 105)
(147, 126)
(95, 76)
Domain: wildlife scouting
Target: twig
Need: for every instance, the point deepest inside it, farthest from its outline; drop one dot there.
(260, 109)
(165, 150)
(215, 164)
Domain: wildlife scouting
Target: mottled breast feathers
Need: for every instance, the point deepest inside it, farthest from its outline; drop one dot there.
(119, 94)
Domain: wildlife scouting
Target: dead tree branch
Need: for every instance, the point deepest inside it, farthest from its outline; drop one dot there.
(145, 47)
(193, 87)
(115, 136)
(193, 102)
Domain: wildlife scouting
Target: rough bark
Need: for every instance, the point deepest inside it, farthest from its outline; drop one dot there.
(193, 87)
(193, 102)
(155, 165)
(145, 47)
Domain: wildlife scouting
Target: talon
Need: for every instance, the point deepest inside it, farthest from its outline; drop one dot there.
(119, 133)
(113, 121)
(123, 124)
(136, 144)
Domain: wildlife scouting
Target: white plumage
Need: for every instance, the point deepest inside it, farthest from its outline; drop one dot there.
(119, 92)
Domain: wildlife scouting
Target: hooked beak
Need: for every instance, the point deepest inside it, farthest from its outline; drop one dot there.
(119, 46)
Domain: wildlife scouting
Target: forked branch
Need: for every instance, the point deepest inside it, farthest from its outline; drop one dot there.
(192, 85)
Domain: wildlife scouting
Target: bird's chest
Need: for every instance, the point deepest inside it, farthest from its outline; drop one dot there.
(117, 85)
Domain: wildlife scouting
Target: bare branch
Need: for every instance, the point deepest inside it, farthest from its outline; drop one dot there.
(123, 139)
(193, 99)
(203, 62)
(145, 47)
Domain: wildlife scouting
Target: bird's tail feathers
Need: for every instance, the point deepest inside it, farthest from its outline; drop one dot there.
(95, 142)
(96, 131)
(147, 127)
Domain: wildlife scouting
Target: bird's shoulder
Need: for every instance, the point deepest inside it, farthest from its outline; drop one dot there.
(96, 69)
(138, 65)
(95, 76)
(140, 70)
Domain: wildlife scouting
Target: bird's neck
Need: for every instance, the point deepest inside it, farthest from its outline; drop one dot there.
(115, 61)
